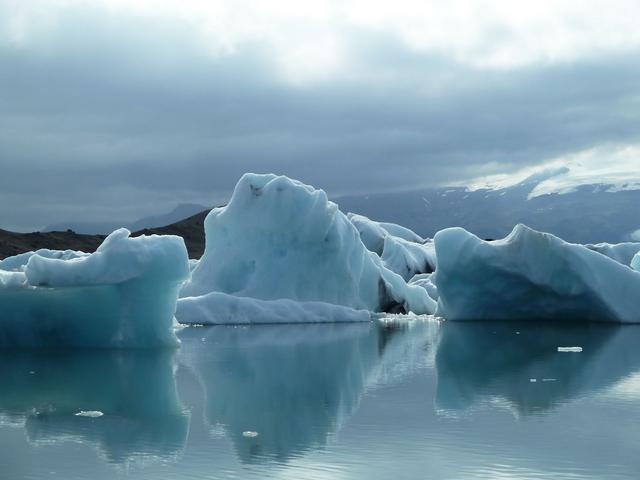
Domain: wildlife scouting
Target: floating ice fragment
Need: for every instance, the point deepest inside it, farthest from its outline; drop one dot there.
(249, 434)
(570, 349)
(89, 413)
(123, 295)
(532, 380)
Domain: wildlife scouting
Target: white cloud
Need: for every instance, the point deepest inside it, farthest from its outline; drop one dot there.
(615, 167)
(312, 40)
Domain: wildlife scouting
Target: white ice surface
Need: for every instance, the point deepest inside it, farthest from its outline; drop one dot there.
(407, 258)
(425, 281)
(124, 294)
(373, 233)
(18, 262)
(280, 239)
(531, 275)
(221, 308)
(621, 252)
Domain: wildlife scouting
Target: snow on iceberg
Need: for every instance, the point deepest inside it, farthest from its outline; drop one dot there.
(124, 294)
(280, 239)
(531, 275)
(220, 308)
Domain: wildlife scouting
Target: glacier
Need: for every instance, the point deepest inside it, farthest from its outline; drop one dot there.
(278, 238)
(123, 295)
(530, 275)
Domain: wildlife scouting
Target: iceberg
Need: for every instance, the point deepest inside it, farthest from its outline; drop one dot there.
(402, 251)
(425, 280)
(373, 233)
(220, 308)
(408, 259)
(530, 275)
(620, 252)
(17, 262)
(635, 262)
(280, 239)
(123, 295)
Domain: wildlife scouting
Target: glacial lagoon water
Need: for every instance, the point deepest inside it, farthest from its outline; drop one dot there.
(402, 400)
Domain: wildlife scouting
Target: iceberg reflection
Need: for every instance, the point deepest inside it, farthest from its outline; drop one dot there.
(134, 390)
(293, 385)
(519, 363)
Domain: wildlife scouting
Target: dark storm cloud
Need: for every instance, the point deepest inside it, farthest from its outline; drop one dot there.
(116, 117)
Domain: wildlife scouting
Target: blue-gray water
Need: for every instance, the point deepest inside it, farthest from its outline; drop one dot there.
(417, 400)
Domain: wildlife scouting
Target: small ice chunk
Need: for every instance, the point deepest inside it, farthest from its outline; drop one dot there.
(89, 413)
(250, 434)
(548, 379)
(532, 380)
(570, 349)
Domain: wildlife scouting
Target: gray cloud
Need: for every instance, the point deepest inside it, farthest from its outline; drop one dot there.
(122, 117)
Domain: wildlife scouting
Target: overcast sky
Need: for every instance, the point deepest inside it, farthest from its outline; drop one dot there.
(121, 108)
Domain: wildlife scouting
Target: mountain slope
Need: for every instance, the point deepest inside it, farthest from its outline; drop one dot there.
(12, 243)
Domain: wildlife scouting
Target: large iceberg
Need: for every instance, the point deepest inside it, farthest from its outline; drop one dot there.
(531, 275)
(280, 239)
(124, 294)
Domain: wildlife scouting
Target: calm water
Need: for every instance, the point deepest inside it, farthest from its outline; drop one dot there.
(403, 401)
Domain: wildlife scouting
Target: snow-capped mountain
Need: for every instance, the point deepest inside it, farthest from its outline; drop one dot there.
(588, 213)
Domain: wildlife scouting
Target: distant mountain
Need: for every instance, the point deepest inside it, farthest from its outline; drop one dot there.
(589, 214)
(586, 214)
(181, 212)
(85, 228)
(12, 243)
